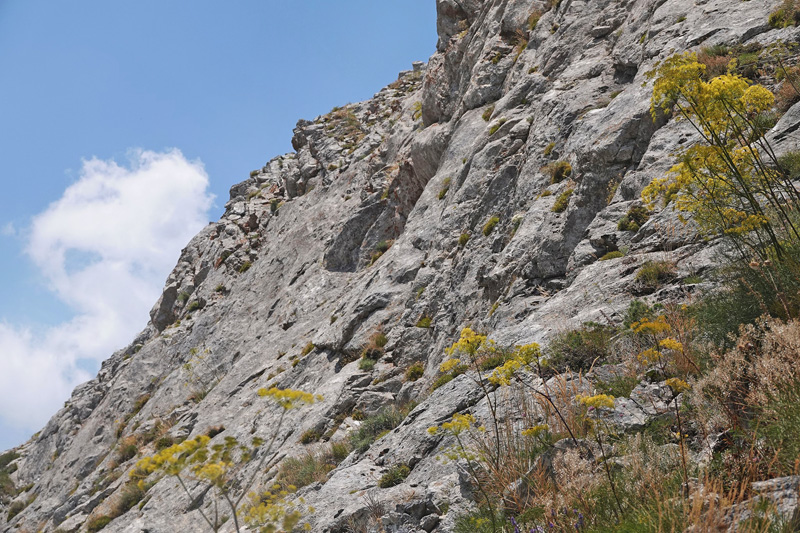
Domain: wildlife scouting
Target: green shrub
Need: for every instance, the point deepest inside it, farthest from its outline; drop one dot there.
(618, 386)
(490, 225)
(545, 193)
(497, 125)
(183, 296)
(562, 202)
(450, 376)
(612, 255)
(312, 467)
(639, 310)
(533, 19)
(788, 14)
(444, 379)
(652, 274)
(634, 219)
(558, 171)
(131, 495)
(97, 523)
(487, 114)
(312, 435)
(414, 372)
(366, 364)
(194, 306)
(549, 149)
(127, 450)
(463, 239)
(164, 442)
(307, 349)
(780, 425)
(445, 188)
(396, 475)
(14, 509)
(582, 348)
(375, 426)
(380, 339)
(424, 322)
(245, 267)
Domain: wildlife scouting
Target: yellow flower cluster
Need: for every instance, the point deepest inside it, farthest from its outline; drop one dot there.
(670, 344)
(271, 513)
(173, 459)
(449, 365)
(523, 357)
(715, 180)
(469, 343)
(678, 385)
(535, 431)
(649, 356)
(289, 398)
(597, 401)
(456, 426)
(651, 327)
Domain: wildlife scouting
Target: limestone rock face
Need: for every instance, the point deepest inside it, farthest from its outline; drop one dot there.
(376, 221)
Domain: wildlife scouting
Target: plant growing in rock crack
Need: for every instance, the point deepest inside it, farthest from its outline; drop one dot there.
(200, 468)
(201, 377)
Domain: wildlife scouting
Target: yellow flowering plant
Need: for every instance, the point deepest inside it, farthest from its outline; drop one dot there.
(216, 467)
(731, 181)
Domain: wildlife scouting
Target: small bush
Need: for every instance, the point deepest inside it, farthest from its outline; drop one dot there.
(580, 349)
(424, 322)
(441, 381)
(612, 255)
(619, 386)
(313, 467)
(634, 219)
(549, 149)
(312, 435)
(497, 125)
(490, 225)
(414, 372)
(445, 188)
(366, 364)
(131, 495)
(558, 171)
(788, 14)
(194, 306)
(307, 349)
(533, 19)
(450, 376)
(127, 449)
(183, 296)
(396, 475)
(164, 442)
(14, 509)
(652, 274)
(463, 239)
(377, 425)
(562, 202)
(487, 114)
(97, 523)
(245, 267)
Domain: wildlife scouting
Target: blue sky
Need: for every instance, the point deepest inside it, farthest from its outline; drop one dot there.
(114, 112)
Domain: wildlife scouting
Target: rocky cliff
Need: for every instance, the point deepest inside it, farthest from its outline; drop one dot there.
(430, 207)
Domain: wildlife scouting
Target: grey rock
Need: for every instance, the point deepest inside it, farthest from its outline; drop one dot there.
(376, 172)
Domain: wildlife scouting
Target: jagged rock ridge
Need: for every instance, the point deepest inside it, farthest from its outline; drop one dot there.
(415, 172)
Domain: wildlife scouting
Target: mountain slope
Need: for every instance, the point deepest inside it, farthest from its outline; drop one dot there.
(378, 220)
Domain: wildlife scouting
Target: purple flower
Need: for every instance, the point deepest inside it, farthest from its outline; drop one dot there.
(514, 523)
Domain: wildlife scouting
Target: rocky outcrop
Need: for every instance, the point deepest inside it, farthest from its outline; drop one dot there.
(375, 221)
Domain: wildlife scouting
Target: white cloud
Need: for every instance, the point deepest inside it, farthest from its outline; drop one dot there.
(8, 230)
(105, 248)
